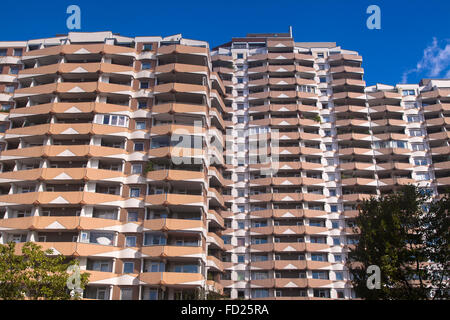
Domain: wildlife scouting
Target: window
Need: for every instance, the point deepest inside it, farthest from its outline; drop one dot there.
(320, 275)
(420, 161)
(408, 92)
(9, 89)
(226, 239)
(321, 67)
(240, 80)
(2, 52)
(140, 125)
(241, 225)
(241, 208)
(320, 55)
(240, 56)
(330, 161)
(260, 293)
(335, 224)
(18, 52)
(340, 294)
(332, 192)
(114, 120)
(142, 104)
(135, 192)
(410, 105)
(240, 67)
(417, 146)
(339, 275)
(304, 88)
(318, 257)
(144, 85)
(126, 294)
(337, 258)
(241, 241)
(422, 176)
(136, 169)
(132, 216)
(240, 275)
(322, 79)
(336, 241)
(331, 177)
(333, 208)
(128, 267)
(415, 133)
(138, 146)
(327, 133)
(240, 106)
(146, 65)
(328, 147)
(241, 119)
(241, 258)
(413, 118)
(147, 47)
(240, 177)
(154, 239)
(13, 70)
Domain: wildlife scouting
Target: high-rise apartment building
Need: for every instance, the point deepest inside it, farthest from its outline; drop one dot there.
(165, 166)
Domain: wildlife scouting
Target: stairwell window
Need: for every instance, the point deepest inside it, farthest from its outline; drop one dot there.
(140, 125)
(408, 92)
(417, 146)
(18, 52)
(146, 65)
(126, 294)
(420, 161)
(415, 133)
(147, 47)
(422, 176)
(14, 70)
(130, 241)
(144, 85)
(135, 192)
(138, 146)
(413, 118)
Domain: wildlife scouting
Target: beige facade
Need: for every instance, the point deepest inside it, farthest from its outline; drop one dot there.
(165, 166)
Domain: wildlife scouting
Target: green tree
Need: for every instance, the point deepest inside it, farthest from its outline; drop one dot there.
(406, 235)
(35, 273)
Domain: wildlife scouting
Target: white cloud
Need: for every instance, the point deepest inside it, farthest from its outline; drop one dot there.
(434, 63)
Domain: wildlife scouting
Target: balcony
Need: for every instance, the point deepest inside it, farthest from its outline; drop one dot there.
(172, 279)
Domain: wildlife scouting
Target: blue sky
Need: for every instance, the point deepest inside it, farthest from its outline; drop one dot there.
(413, 42)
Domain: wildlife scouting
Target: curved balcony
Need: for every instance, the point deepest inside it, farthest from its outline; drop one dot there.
(61, 174)
(63, 151)
(182, 49)
(174, 199)
(173, 251)
(66, 129)
(173, 279)
(69, 197)
(181, 68)
(69, 107)
(180, 108)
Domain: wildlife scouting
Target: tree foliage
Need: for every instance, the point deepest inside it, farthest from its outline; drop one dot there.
(35, 273)
(407, 236)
